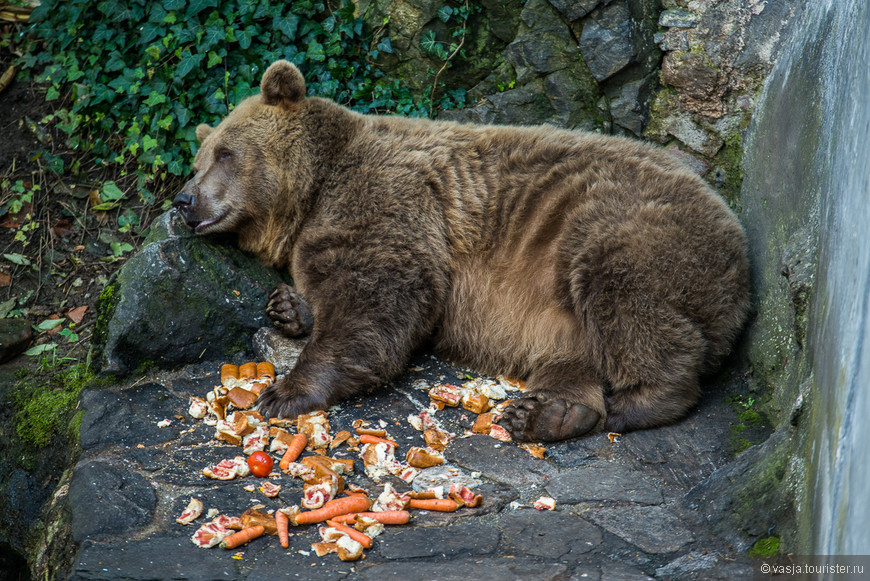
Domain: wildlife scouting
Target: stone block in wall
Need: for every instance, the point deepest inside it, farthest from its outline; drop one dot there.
(629, 104)
(574, 10)
(606, 41)
(693, 135)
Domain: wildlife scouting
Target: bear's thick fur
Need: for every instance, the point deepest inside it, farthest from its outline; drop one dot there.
(598, 268)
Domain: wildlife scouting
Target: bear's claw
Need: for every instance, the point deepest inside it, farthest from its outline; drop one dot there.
(288, 312)
(541, 418)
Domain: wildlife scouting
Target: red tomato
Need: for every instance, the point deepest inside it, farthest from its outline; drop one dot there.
(260, 464)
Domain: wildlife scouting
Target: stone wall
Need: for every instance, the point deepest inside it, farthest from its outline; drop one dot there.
(806, 212)
(684, 73)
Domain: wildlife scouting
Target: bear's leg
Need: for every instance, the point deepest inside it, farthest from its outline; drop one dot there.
(647, 406)
(566, 401)
(289, 312)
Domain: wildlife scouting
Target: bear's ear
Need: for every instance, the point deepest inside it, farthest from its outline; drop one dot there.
(202, 131)
(282, 85)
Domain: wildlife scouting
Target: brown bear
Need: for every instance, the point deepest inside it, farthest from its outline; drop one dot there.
(598, 268)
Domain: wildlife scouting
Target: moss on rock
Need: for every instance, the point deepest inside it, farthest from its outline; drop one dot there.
(764, 548)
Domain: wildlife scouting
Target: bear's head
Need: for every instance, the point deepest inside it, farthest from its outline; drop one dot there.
(245, 163)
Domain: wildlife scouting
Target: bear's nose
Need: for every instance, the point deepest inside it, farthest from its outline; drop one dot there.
(183, 200)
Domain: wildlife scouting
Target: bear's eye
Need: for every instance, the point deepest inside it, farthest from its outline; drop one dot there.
(223, 154)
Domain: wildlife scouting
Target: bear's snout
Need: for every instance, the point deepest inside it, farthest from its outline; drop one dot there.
(183, 202)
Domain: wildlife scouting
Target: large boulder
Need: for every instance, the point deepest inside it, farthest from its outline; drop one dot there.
(180, 299)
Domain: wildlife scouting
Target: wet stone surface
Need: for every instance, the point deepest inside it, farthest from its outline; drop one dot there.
(621, 509)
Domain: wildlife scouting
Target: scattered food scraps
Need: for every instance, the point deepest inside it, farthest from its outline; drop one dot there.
(191, 513)
(545, 503)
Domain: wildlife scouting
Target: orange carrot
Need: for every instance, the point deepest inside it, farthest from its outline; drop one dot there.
(363, 539)
(283, 525)
(333, 508)
(387, 517)
(347, 519)
(368, 439)
(297, 444)
(436, 504)
(243, 536)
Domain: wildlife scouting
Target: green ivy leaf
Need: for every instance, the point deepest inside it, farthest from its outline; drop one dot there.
(444, 13)
(194, 7)
(119, 248)
(18, 259)
(188, 63)
(154, 99)
(315, 51)
(287, 25)
(111, 192)
(427, 42)
(213, 59)
(165, 123)
(40, 349)
(148, 143)
(49, 324)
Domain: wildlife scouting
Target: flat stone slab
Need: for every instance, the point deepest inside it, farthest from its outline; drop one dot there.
(614, 498)
(451, 541)
(653, 529)
(499, 461)
(108, 499)
(555, 536)
(487, 569)
(604, 481)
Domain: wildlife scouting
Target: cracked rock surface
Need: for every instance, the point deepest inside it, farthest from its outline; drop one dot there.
(621, 510)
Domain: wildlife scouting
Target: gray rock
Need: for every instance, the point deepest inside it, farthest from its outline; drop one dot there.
(623, 572)
(575, 9)
(586, 573)
(148, 559)
(606, 42)
(181, 299)
(15, 336)
(604, 481)
(453, 541)
(549, 534)
(479, 569)
(501, 18)
(573, 95)
(630, 106)
(673, 39)
(689, 563)
(270, 345)
(498, 461)
(653, 529)
(675, 18)
(542, 50)
(129, 418)
(525, 105)
(697, 165)
(693, 136)
(108, 499)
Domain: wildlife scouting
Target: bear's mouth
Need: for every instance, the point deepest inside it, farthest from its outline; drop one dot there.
(208, 223)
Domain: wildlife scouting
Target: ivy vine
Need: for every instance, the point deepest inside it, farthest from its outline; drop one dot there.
(133, 78)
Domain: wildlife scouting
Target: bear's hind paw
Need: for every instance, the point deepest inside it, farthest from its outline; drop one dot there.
(541, 418)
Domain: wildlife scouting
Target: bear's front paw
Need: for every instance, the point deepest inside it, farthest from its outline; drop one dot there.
(288, 312)
(541, 418)
(280, 401)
